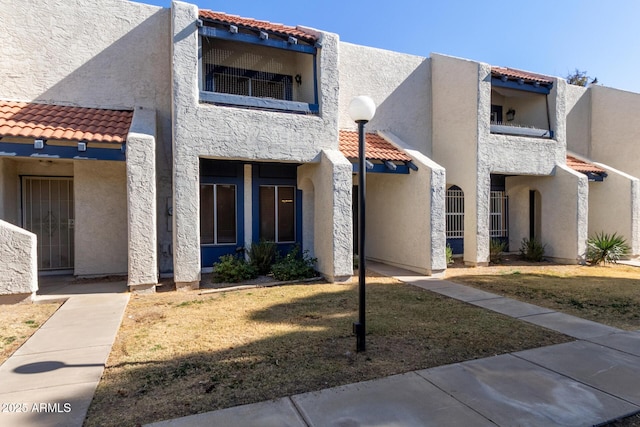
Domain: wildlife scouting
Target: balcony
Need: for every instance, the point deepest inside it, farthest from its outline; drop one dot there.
(255, 69)
(519, 104)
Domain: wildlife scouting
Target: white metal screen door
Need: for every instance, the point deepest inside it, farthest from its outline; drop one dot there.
(48, 212)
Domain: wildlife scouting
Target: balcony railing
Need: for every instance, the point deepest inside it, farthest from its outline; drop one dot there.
(520, 130)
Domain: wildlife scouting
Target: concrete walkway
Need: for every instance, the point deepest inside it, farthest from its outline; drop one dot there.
(590, 381)
(51, 379)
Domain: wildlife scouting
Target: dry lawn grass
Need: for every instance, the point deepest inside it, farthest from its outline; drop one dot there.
(18, 322)
(607, 294)
(182, 353)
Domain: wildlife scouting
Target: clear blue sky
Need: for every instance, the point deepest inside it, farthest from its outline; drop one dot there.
(551, 37)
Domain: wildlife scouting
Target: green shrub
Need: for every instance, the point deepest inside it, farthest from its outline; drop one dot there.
(496, 250)
(604, 248)
(294, 265)
(233, 269)
(449, 254)
(532, 250)
(262, 255)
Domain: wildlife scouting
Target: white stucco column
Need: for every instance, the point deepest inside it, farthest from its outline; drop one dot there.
(141, 202)
(333, 230)
(186, 222)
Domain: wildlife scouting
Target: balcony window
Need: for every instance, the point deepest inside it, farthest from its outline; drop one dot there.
(263, 74)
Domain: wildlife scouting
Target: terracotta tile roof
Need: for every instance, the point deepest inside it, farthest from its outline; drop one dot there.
(280, 29)
(377, 148)
(49, 121)
(518, 74)
(583, 166)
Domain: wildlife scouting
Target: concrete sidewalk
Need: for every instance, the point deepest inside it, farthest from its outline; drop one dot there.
(50, 380)
(589, 381)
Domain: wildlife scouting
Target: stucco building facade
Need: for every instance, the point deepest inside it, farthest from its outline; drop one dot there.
(165, 138)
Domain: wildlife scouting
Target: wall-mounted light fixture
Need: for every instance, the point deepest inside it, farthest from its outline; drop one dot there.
(511, 114)
(82, 146)
(38, 144)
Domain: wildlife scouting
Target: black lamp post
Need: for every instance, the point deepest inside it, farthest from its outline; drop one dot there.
(361, 110)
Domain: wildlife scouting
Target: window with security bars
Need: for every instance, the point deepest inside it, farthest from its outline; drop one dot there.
(455, 212)
(499, 224)
(237, 68)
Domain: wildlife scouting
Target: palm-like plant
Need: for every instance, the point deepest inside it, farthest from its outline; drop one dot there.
(603, 248)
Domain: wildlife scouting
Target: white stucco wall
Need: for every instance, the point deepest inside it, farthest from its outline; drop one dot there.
(455, 88)
(614, 207)
(564, 205)
(405, 214)
(19, 267)
(615, 128)
(400, 86)
(94, 53)
(234, 133)
(9, 188)
(100, 192)
(327, 210)
(578, 101)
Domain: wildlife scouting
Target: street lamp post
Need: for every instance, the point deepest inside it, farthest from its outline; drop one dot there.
(361, 110)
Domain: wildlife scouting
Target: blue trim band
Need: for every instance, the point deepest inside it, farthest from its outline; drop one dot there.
(247, 38)
(13, 149)
(528, 87)
(381, 168)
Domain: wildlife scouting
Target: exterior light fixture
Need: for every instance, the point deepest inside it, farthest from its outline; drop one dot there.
(82, 146)
(511, 114)
(361, 110)
(38, 144)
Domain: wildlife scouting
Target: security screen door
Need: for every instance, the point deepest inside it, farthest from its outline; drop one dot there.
(48, 212)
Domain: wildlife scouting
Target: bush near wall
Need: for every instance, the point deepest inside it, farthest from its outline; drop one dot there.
(294, 265)
(603, 248)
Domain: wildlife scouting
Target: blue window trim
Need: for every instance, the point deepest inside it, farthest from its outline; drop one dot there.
(14, 149)
(258, 181)
(525, 86)
(210, 252)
